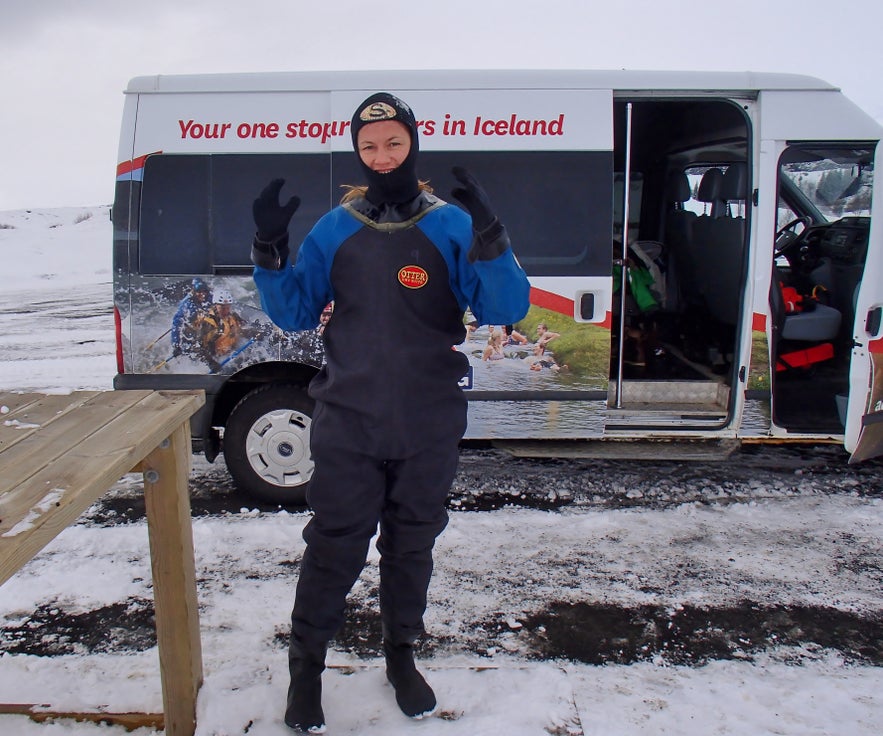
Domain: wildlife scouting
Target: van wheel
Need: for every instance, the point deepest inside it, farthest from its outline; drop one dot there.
(267, 443)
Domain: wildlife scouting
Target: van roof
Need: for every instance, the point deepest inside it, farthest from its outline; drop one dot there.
(623, 80)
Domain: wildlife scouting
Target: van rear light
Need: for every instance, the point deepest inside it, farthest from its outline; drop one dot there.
(118, 331)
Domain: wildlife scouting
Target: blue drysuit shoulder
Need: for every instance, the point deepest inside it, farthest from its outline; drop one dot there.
(294, 296)
(496, 291)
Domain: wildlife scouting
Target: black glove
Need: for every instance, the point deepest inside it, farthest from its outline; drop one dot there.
(474, 199)
(489, 238)
(270, 217)
(270, 248)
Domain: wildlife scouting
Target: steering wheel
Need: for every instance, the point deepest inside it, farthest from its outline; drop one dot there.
(786, 235)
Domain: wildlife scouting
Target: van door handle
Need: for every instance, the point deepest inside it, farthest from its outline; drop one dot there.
(872, 321)
(587, 306)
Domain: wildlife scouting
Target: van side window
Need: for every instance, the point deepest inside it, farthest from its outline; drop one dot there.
(196, 209)
(557, 205)
(833, 182)
(174, 215)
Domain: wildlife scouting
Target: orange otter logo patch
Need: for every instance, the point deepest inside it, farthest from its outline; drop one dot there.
(413, 277)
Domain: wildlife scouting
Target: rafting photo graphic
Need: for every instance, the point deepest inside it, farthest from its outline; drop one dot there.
(202, 327)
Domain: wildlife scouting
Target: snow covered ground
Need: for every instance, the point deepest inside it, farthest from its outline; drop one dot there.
(663, 598)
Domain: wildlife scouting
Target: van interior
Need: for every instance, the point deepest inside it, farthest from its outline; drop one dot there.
(674, 355)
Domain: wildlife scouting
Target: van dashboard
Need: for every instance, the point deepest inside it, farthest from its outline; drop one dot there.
(846, 240)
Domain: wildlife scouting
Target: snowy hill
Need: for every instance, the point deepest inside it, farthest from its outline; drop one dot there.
(55, 247)
(56, 299)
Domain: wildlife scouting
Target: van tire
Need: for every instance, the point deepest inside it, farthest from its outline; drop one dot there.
(267, 444)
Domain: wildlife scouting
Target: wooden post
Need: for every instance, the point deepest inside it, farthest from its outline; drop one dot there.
(166, 471)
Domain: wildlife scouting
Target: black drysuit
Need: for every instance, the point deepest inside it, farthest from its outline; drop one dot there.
(389, 411)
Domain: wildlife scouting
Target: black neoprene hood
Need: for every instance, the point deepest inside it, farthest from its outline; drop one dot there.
(399, 185)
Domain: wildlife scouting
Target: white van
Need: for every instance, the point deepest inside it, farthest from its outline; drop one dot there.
(749, 242)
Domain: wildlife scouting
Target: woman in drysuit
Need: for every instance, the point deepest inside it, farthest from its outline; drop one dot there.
(389, 411)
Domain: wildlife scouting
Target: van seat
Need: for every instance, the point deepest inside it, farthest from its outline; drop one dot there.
(678, 240)
(735, 183)
(808, 334)
(822, 323)
(710, 187)
(719, 243)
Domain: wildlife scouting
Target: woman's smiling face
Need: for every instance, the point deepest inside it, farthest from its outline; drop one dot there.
(384, 145)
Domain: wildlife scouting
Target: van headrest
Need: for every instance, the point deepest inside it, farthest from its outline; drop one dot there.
(735, 183)
(710, 186)
(678, 188)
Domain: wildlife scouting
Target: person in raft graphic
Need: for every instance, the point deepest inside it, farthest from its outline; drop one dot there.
(389, 412)
(188, 316)
(222, 331)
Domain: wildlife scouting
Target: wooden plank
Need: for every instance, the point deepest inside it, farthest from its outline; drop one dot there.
(45, 713)
(104, 413)
(60, 426)
(27, 413)
(58, 492)
(35, 513)
(11, 401)
(88, 442)
(170, 532)
(37, 510)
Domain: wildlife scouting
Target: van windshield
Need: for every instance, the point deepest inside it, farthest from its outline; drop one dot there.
(829, 183)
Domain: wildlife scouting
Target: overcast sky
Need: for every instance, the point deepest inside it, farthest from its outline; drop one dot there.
(65, 63)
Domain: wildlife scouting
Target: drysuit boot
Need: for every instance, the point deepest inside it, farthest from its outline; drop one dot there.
(303, 711)
(413, 693)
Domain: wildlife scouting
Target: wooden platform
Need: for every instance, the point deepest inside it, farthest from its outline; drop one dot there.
(58, 455)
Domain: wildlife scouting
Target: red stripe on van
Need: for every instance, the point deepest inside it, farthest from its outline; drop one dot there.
(549, 300)
(758, 322)
(134, 164)
(118, 333)
(876, 346)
